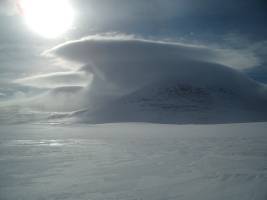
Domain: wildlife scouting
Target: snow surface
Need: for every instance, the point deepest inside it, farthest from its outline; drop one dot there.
(133, 162)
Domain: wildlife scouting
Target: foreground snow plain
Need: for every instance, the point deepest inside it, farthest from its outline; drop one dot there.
(133, 162)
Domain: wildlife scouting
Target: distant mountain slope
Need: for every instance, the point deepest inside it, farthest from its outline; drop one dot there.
(176, 102)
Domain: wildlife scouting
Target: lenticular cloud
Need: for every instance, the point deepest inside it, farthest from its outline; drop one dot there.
(126, 64)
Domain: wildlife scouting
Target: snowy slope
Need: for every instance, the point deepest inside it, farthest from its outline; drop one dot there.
(134, 161)
(172, 101)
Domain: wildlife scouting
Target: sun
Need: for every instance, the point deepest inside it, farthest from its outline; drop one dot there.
(48, 18)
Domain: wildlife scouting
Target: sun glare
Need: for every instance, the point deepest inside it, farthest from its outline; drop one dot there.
(48, 18)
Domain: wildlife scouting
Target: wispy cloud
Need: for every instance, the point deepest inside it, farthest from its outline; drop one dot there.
(57, 79)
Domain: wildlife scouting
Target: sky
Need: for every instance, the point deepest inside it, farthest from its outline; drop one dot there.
(236, 29)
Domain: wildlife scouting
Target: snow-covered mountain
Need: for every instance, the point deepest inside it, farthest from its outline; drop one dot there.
(176, 102)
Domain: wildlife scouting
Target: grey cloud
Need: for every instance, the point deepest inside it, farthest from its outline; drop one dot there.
(158, 9)
(254, 52)
(11, 89)
(7, 7)
(2, 95)
(238, 58)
